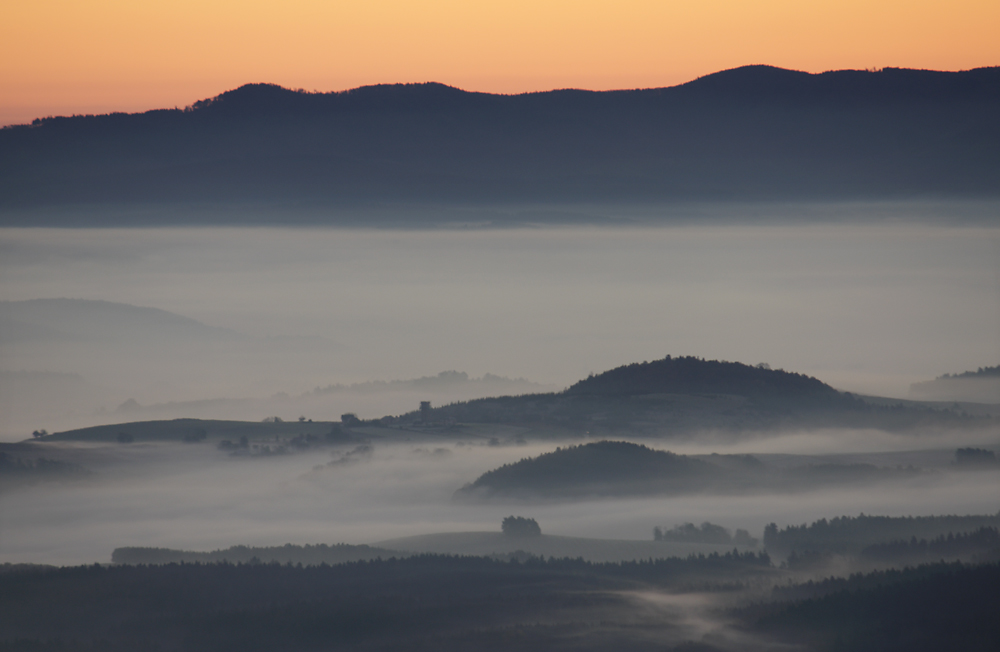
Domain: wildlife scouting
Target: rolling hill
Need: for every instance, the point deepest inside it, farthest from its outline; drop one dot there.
(600, 468)
(191, 430)
(619, 468)
(678, 395)
(662, 399)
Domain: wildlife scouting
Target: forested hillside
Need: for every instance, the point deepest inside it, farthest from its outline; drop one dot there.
(927, 609)
(618, 468)
(752, 133)
(852, 534)
(426, 602)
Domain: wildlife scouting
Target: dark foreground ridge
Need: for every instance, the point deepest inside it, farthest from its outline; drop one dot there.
(444, 603)
(929, 608)
(426, 602)
(752, 133)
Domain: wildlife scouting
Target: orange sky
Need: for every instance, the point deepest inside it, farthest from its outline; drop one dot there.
(61, 57)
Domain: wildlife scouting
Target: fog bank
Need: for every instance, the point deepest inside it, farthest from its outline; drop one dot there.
(867, 307)
(195, 497)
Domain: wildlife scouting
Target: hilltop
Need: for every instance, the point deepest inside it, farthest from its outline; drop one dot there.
(620, 468)
(600, 468)
(755, 133)
(677, 395)
(690, 375)
(670, 397)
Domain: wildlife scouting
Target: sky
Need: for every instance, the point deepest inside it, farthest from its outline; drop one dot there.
(63, 57)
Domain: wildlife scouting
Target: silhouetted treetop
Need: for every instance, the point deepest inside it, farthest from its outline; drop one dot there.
(519, 526)
(982, 372)
(847, 534)
(757, 82)
(271, 99)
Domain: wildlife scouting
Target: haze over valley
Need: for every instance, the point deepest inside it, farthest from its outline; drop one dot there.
(710, 367)
(262, 313)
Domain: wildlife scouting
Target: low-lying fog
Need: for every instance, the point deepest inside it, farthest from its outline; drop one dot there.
(866, 306)
(195, 497)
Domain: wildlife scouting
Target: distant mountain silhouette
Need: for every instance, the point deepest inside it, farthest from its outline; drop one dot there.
(445, 380)
(753, 133)
(83, 320)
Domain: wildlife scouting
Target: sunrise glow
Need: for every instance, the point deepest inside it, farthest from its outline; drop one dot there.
(66, 56)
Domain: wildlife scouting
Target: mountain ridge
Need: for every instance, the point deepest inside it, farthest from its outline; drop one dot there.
(749, 134)
(760, 81)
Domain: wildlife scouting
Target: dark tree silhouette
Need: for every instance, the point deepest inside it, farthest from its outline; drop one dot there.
(518, 526)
